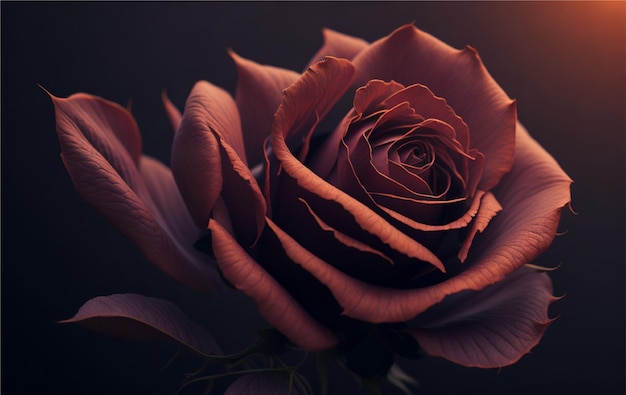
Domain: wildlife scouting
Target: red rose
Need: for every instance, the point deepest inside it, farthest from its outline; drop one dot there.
(414, 214)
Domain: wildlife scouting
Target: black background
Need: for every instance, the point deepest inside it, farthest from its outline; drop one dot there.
(563, 62)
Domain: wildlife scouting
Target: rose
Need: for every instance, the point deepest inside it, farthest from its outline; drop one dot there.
(378, 234)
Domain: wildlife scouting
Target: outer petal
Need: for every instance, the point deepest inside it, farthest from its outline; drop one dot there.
(532, 195)
(142, 203)
(208, 158)
(490, 328)
(338, 45)
(411, 56)
(196, 162)
(259, 93)
(274, 303)
(135, 316)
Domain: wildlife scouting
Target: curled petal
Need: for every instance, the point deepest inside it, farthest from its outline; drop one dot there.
(490, 328)
(489, 207)
(196, 162)
(273, 302)
(532, 195)
(133, 316)
(259, 93)
(242, 195)
(312, 95)
(458, 76)
(208, 159)
(342, 238)
(142, 202)
(338, 45)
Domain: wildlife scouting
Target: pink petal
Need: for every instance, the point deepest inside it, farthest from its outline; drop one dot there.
(273, 302)
(490, 328)
(532, 195)
(343, 238)
(243, 197)
(133, 316)
(171, 212)
(349, 255)
(338, 45)
(371, 97)
(267, 383)
(142, 203)
(172, 112)
(307, 100)
(196, 162)
(259, 93)
(411, 56)
(310, 98)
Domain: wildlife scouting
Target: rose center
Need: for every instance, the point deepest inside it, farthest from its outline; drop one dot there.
(416, 154)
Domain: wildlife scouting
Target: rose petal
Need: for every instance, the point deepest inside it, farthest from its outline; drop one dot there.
(490, 328)
(338, 45)
(196, 161)
(369, 98)
(359, 300)
(426, 104)
(259, 93)
(343, 238)
(208, 159)
(532, 194)
(172, 112)
(311, 96)
(273, 302)
(267, 383)
(243, 197)
(133, 316)
(143, 204)
(458, 223)
(171, 211)
(458, 76)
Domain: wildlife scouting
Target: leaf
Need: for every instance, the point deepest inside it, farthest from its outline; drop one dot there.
(139, 317)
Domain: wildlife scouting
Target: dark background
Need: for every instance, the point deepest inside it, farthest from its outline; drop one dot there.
(563, 62)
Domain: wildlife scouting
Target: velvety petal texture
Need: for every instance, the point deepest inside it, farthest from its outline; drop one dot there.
(259, 93)
(101, 149)
(133, 316)
(409, 56)
(296, 117)
(533, 195)
(491, 328)
(172, 112)
(410, 218)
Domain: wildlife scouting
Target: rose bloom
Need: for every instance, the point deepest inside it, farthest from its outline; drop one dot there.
(385, 198)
